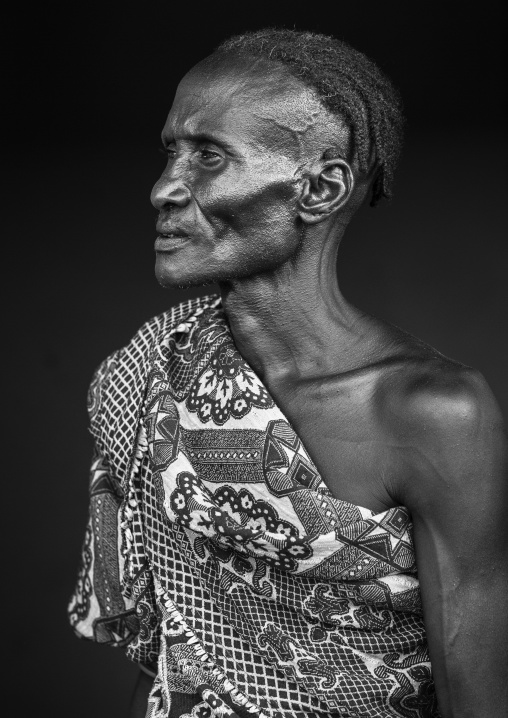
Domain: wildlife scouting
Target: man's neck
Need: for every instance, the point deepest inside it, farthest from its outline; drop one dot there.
(294, 323)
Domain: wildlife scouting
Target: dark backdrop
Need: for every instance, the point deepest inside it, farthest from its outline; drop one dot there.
(92, 86)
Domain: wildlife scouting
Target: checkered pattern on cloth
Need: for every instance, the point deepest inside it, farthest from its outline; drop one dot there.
(216, 550)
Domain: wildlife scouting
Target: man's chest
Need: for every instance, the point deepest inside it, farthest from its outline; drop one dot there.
(342, 430)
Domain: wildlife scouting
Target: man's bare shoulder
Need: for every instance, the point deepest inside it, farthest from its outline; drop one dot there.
(446, 420)
(432, 395)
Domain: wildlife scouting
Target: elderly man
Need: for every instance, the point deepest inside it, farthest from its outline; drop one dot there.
(296, 508)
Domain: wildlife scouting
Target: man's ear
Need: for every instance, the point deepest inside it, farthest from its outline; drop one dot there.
(326, 188)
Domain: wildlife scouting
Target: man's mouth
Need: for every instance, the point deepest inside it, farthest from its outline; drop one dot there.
(167, 241)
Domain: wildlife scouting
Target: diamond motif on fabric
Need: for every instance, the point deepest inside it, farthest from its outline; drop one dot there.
(286, 467)
(302, 473)
(396, 521)
(169, 428)
(374, 539)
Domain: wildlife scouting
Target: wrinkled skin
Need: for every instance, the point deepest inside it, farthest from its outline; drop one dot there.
(387, 419)
(239, 149)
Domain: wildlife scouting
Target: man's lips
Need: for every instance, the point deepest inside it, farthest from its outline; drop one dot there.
(166, 242)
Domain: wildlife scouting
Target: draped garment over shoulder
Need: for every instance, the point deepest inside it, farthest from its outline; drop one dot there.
(216, 554)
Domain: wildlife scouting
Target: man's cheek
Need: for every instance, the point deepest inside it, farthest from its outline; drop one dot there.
(238, 207)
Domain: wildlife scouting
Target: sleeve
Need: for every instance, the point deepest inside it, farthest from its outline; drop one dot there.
(98, 610)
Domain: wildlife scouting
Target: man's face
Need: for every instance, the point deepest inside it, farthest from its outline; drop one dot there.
(237, 137)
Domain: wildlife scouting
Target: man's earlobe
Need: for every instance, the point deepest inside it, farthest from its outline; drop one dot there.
(326, 188)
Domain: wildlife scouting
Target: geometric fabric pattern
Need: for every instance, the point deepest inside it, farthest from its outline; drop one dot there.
(218, 557)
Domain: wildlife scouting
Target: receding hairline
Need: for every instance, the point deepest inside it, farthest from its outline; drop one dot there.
(234, 63)
(336, 130)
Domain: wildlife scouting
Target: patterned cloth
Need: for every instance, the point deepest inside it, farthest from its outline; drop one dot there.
(216, 553)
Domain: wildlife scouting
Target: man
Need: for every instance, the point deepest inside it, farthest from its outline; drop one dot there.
(296, 509)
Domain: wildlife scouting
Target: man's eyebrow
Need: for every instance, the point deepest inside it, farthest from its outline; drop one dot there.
(200, 137)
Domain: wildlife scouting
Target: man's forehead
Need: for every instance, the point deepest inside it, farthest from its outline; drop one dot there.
(240, 81)
(261, 102)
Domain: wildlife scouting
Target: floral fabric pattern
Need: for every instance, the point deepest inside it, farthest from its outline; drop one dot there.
(226, 388)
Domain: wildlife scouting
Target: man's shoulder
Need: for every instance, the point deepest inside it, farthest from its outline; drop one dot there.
(159, 325)
(434, 394)
(118, 382)
(138, 349)
(446, 423)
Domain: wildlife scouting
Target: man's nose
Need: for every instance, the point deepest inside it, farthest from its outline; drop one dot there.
(170, 190)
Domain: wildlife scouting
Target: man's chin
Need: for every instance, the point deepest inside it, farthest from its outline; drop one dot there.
(168, 280)
(170, 276)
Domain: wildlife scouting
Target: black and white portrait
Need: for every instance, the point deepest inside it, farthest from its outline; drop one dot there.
(257, 338)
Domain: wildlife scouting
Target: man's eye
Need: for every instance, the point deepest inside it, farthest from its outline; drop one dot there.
(209, 155)
(168, 151)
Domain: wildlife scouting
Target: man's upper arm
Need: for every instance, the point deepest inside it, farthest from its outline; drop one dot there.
(459, 462)
(457, 494)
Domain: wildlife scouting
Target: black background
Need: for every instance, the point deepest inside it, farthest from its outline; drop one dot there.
(91, 89)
